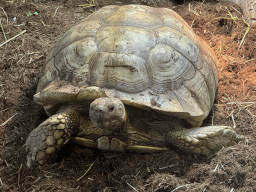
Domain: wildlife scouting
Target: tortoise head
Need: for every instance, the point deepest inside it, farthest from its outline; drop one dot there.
(107, 113)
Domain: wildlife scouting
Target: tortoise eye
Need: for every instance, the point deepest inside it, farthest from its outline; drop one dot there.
(111, 108)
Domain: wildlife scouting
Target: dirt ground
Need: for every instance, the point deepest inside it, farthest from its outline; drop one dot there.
(39, 24)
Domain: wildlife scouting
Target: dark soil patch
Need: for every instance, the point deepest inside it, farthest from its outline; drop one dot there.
(20, 64)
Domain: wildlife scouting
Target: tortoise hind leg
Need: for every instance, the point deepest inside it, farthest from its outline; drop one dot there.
(50, 136)
(249, 10)
(204, 140)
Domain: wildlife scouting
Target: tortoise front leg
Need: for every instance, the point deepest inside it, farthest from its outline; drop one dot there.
(204, 140)
(50, 136)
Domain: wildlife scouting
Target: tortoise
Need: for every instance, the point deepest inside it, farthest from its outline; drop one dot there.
(249, 10)
(129, 78)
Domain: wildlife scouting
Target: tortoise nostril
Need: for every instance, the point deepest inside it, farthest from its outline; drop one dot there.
(111, 108)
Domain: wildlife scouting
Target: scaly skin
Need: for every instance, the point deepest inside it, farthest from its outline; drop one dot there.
(204, 140)
(249, 9)
(50, 136)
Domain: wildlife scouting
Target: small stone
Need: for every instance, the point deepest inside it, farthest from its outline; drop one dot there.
(63, 121)
(192, 147)
(40, 156)
(197, 150)
(50, 150)
(61, 126)
(58, 134)
(50, 140)
(188, 139)
(201, 136)
(187, 144)
(195, 141)
(60, 117)
(54, 121)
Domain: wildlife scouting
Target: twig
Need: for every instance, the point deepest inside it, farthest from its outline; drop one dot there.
(179, 187)
(192, 23)
(26, 55)
(87, 170)
(222, 166)
(253, 116)
(43, 23)
(224, 18)
(19, 173)
(189, 9)
(55, 11)
(6, 163)
(1, 96)
(12, 38)
(216, 168)
(9, 120)
(1, 181)
(237, 10)
(201, 3)
(230, 15)
(36, 180)
(5, 14)
(234, 126)
(91, 4)
(3, 29)
(249, 60)
(247, 31)
(231, 103)
(132, 187)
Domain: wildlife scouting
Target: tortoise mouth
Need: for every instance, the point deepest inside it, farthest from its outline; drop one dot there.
(109, 124)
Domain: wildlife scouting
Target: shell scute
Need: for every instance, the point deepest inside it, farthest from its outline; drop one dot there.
(180, 42)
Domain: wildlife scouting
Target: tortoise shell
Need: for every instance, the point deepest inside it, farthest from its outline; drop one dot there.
(147, 57)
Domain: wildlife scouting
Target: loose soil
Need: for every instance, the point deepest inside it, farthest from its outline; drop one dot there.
(231, 169)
